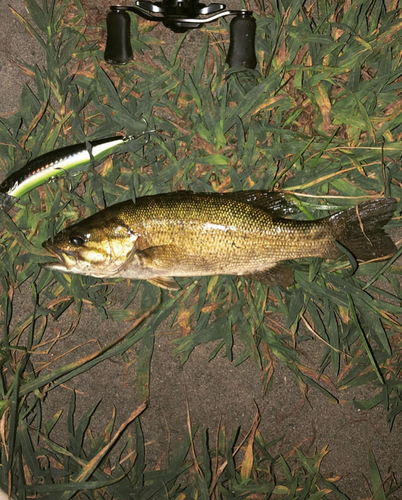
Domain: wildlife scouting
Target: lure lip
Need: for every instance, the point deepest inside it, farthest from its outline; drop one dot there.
(7, 201)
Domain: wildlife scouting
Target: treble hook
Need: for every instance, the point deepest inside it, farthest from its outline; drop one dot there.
(143, 133)
(66, 176)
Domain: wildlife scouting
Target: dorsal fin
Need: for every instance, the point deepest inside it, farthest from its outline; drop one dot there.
(274, 202)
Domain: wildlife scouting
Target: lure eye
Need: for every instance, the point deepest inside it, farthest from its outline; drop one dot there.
(76, 240)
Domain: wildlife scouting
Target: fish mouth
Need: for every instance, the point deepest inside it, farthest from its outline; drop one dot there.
(66, 260)
(54, 266)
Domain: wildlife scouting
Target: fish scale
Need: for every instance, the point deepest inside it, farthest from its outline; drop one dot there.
(204, 226)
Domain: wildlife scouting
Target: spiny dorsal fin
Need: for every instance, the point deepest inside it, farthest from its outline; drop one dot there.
(277, 204)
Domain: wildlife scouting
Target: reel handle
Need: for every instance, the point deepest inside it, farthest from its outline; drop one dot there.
(242, 31)
(242, 41)
(118, 45)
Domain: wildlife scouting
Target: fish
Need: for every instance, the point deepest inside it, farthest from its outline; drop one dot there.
(55, 164)
(185, 234)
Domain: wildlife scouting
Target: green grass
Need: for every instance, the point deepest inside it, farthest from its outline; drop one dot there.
(320, 117)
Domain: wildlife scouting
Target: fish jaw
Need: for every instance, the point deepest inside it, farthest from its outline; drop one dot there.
(60, 267)
(67, 261)
(70, 264)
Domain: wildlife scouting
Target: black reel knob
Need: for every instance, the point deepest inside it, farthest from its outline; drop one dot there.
(174, 16)
(242, 42)
(118, 45)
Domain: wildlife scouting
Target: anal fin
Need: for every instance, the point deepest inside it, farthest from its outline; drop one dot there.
(165, 282)
(280, 273)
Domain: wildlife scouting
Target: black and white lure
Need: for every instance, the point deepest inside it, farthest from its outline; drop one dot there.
(56, 164)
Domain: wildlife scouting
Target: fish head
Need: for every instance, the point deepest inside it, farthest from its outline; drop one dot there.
(92, 249)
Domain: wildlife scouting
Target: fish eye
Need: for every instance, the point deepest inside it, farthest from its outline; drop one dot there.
(4, 185)
(76, 240)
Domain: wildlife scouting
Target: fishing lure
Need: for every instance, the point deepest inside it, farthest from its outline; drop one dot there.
(55, 164)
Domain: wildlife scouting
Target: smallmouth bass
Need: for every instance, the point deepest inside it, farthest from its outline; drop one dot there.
(186, 234)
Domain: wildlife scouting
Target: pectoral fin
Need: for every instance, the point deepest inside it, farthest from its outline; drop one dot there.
(165, 282)
(161, 258)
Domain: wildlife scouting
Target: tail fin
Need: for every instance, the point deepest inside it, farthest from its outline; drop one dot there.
(359, 229)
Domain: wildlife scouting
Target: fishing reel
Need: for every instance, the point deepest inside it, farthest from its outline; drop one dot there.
(181, 16)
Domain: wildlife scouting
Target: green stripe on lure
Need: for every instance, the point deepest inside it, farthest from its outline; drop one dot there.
(56, 164)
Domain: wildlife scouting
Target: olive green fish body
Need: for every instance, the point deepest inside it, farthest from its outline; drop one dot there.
(188, 234)
(204, 235)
